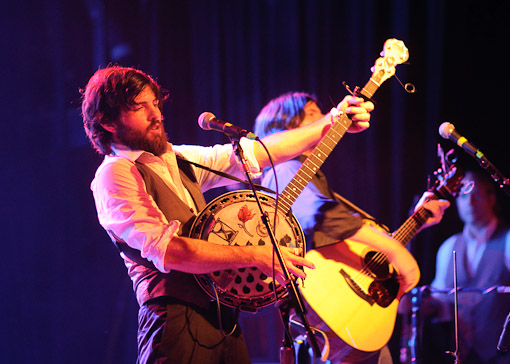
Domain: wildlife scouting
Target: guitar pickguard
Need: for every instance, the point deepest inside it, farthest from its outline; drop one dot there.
(383, 292)
(384, 288)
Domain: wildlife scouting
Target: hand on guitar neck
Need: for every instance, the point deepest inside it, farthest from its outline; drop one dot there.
(435, 207)
(358, 111)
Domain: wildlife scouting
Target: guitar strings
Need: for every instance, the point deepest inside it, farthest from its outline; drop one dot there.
(377, 261)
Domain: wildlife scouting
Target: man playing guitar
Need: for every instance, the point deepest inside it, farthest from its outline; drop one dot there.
(327, 220)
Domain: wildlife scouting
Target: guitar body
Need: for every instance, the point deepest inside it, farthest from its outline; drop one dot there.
(354, 304)
(351, 293)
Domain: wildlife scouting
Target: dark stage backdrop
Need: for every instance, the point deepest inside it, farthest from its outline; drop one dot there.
(66, 297)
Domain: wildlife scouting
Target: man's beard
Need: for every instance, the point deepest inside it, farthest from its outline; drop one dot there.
(135, 139)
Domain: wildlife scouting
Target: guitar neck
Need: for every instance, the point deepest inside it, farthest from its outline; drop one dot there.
(410, 227)
(321, 152)
(313, 163)
(449, 187)
(371, 87)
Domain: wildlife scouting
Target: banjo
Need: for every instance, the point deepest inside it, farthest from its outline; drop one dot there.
(234, 218)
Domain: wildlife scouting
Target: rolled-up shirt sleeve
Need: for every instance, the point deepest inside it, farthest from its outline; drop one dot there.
(125, 209)
(129, 214)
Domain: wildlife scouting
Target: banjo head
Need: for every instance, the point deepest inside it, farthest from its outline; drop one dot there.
(234, 219)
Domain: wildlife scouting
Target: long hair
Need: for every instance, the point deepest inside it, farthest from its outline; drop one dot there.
(282, 113)
(109, 91)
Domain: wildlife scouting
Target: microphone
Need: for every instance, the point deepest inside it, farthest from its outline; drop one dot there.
(208, 121)
(504, 339)
(447, 131)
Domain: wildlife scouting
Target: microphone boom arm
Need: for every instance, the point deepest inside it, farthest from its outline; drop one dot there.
(496, 175)
(447, 131)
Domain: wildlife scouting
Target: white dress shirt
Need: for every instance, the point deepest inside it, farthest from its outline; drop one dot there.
(127, 211)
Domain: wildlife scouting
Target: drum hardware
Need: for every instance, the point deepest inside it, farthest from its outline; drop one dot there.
(416, 300)
(504, 338)
(417, 293)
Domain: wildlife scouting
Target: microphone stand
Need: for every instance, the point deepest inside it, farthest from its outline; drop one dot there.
(294, 299)
(504, 184)
(496, 175)
(455, 354)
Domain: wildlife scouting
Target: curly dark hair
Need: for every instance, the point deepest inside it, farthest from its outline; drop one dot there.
(109, 91)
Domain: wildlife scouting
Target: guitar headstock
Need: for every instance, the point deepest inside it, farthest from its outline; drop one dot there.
(394, 52)
(450, 183)
(448, 176)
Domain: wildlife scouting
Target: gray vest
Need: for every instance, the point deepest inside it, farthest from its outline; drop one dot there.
(149, 282)
(481, 317)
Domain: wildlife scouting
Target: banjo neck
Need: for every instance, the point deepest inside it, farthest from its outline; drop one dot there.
(322, 151)
(394, 53)
(313, 163)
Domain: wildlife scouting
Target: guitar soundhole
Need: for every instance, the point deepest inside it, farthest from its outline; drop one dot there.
(384, 288)
(378, 265)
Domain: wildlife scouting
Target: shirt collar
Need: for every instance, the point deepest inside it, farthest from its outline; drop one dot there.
(132, 155)
(482, 235)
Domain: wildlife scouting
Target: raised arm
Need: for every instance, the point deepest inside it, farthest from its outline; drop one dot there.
(291, 143)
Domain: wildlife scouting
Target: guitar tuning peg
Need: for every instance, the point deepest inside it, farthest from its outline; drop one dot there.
(451, 156)
(441, 156)
(440, 152)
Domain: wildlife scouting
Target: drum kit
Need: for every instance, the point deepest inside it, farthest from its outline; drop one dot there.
(412, 347)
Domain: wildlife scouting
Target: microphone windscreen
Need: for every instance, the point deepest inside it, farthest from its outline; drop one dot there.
(446, 129)
(205, 119)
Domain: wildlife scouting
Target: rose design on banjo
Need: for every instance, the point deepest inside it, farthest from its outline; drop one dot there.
(245, 214)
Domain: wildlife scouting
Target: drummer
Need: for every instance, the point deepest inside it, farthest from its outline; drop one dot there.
(483, 261)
